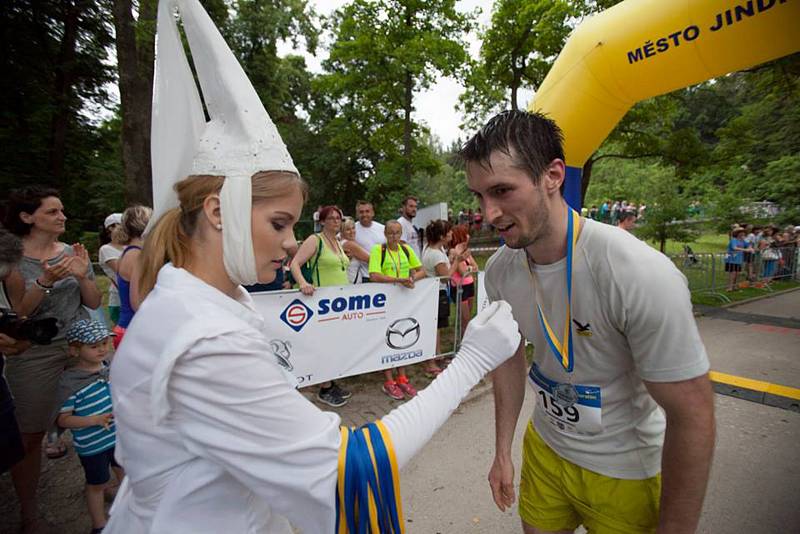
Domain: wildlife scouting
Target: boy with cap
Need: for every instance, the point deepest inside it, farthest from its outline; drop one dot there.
(85, 400)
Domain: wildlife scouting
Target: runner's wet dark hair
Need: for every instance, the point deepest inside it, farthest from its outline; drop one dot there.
(532, 140)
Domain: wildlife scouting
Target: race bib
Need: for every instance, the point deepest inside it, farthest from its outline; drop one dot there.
(583, 417)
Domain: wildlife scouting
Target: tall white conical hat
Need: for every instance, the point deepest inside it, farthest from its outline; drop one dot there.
(239, 140)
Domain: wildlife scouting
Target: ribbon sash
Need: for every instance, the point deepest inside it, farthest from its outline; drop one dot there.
(562, 349)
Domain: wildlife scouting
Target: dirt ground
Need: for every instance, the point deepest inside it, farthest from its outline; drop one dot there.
(61, 503)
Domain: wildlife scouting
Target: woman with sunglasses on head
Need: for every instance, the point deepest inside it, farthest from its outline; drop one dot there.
(329, 266)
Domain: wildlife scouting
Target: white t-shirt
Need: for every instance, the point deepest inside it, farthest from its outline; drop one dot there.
(107, 253)
(410, 235)
(431, 257)
(367, 237)
(635, 323)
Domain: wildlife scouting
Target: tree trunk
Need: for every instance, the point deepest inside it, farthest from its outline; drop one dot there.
(408, 101)
(407, 127)
(62, 94)
(586, 176)
(135, 55)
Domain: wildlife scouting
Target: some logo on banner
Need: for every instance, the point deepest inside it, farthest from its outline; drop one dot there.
(296, 315)
(403, 333)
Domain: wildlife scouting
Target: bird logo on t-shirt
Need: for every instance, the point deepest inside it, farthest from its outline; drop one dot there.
(583, 329)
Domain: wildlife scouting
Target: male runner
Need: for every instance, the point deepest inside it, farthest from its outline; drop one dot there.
(622, 435)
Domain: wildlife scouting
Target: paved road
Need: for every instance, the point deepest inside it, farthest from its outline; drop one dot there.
(755, 479)
(754, 484)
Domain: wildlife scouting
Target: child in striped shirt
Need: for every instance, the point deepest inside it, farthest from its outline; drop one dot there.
(87, 412)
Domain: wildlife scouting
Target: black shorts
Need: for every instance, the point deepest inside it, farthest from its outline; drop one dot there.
(96, 466)
(733, 267)
(467, 292)
(444, 310)
(748, 257)
(11, 449)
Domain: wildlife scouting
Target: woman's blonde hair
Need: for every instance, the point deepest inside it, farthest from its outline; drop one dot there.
(347, 224)
(134, 221)
(170, 239)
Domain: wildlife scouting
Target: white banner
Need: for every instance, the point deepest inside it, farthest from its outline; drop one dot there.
(351, 330)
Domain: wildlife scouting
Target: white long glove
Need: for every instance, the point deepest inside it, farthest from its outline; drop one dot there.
(490, 339)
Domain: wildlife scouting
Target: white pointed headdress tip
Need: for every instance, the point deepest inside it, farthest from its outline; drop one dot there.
(240, 139)
(237, 142)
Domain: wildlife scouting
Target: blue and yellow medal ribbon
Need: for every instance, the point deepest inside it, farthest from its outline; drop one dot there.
(562, 350)
(368, 491)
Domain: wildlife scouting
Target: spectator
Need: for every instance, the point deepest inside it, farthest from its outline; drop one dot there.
(735, 256)
(368, 234)
(749, 256)
(593, 212)
(395, 263)
(478, 219)
(85, 408)
(786, 247)
(439, 234)
(627, 221)
(462, 276)
(108, 258)
(769, 254)
(317, 225)
(12, 288)
(615, 210)
(329, 267)
(408, 210)
(134, 222)
(354, 251)
(59, 282)
(604, 211)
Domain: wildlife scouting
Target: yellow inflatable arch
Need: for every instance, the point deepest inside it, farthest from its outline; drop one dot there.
(642, 48)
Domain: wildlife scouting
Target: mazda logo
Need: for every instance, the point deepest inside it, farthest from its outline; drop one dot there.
(402, 333)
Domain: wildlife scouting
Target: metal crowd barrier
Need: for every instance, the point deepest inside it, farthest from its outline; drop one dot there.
(706, 272)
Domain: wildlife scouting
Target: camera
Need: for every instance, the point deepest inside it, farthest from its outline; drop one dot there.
(40, 331)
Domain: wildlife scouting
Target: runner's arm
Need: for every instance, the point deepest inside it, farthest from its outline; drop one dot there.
(688, 450)
(508, 382)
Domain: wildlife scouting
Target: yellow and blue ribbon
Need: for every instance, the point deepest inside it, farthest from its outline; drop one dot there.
(368, 491)
(562, 350)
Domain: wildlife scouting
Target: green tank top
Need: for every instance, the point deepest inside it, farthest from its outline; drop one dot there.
(332, 267)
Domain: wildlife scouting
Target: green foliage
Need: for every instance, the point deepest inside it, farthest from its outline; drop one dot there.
(384, 51)
(517, 50)
(730, 141)
(666, 211)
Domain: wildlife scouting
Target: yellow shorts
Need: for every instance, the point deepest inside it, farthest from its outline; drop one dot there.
(556, 494)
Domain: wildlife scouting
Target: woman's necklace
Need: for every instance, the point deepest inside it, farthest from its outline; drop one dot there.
(336, 249)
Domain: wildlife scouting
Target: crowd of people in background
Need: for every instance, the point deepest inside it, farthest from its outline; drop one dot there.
(615, 212)
(760, 254)
(345, 250)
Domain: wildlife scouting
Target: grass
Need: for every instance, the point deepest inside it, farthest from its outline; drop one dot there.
(704, 243)
(743, 293)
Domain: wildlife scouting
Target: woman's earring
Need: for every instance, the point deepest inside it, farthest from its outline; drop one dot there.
(219, 226)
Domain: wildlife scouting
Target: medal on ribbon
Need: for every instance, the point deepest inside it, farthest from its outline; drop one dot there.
(565, 393)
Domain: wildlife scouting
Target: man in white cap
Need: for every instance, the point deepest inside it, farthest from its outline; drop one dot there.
(108, 258)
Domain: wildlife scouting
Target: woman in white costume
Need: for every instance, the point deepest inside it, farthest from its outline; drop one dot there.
(212, 433)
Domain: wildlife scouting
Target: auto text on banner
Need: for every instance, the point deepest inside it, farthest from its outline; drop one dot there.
(350, 330)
